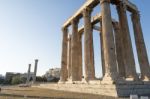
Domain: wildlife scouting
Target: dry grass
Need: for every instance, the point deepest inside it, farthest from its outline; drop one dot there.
(38, 93)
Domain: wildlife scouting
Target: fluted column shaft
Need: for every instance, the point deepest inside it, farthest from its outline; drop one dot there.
(88, 46)
(140, 46)
(75, 51)
(108, 42)
(80, 56)
(127, 45)
(119, 49)
(63, 75)
(28, 74)
(69, 57)
(35, 70)
(102, 50)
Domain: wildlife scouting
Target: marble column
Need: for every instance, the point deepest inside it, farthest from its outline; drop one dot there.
(102, 51)
(140, 46)
(28, 74)
(119, 49)
(111, 74)
(129, 61)
(69, 57)
(63, 73)
(88, 46)
(80, 56)
(35, 70)
(75, 51)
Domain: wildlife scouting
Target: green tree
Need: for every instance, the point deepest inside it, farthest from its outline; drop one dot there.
(16, 80)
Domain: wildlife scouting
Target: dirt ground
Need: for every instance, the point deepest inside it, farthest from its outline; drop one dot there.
(40, 93)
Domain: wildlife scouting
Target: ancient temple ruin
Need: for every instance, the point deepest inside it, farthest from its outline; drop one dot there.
(118, 63)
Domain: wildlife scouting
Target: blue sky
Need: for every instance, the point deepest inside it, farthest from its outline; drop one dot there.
(31, 29)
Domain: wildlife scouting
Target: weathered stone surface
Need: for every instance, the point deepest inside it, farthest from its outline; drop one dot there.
(75, 52)
(80, 56)
(63, 73)
(140, 46)
(69, 57)
(124, 90)
(88, 46)
(116, 50)
(108, 43)
(35, 70)
(28, 75)
(144, 97)
(119, 49)
(102, 52)
(93, 3)
(128, 56)
(134, 97)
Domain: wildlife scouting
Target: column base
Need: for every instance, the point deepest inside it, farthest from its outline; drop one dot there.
(61, 82)
(145, 78)
(107, 80)
(132, 78)
(69, 81)
(84, 81)
(73, 82)
(95, 82)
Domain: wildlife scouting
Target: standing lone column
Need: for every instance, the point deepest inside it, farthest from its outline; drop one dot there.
(140, 46)
(119, 49)
(28, 75)
(127, 45)
(75, 51)
(69, 57)
(63, 75)
(111, 74)
(35, 70)
(88, 46)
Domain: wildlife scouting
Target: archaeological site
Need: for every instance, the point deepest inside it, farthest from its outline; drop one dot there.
(118, 63)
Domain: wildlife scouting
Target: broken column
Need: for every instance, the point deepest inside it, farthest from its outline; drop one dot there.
(140, 46)
(88, 46)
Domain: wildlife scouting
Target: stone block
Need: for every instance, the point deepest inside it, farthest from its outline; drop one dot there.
(144, 97)
(133, 97)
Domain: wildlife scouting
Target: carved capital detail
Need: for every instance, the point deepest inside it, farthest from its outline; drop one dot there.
(75, 21)
(64, 29)
(135, 15)
(87, 12)
(123, 5)
(103, 1)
